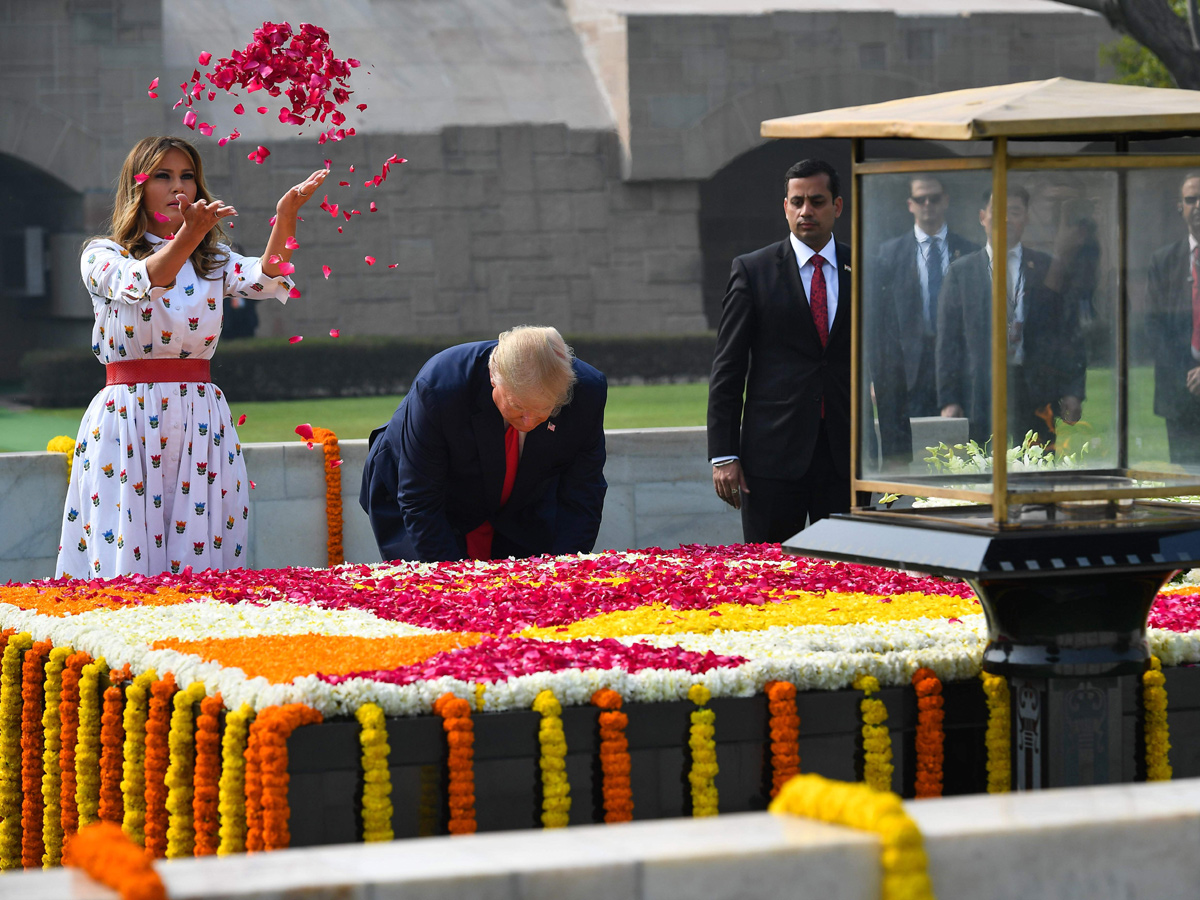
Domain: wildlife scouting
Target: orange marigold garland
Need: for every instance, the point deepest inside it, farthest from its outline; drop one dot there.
(785, 733)
(52, 835)
(11, 688)
(268, 828)
(460, 737)
(158, 728)
(205, 796)
(68, 714)
(614, 757)
(112, 745)
(931, 738)
(33, 677)
(333, 492)
(107, 855)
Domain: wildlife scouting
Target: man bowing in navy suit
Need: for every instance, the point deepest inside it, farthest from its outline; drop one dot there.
(496, 451)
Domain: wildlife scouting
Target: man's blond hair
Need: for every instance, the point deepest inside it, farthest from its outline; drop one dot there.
(534, 363)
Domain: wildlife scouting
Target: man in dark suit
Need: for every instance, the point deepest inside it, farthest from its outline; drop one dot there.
(1174, 329)
(1046, 356)
(909, 271)
(783, 456)
(496, 451)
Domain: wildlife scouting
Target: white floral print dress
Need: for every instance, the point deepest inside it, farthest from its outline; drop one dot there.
(158, 481)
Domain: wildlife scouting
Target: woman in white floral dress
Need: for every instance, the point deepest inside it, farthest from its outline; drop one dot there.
(158, 481)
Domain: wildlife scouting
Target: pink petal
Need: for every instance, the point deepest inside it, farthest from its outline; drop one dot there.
(291, 244)
(171, 236)
(335, 464)
(343, 184)
(242, 419)
(251, 484)
(305, 431)
(273, 258)
(141, 177)
(204, 58)
(370, 260)
(212, 95)
(295, 339)
(272, 221)
(335, 332)
(328, 163)
(221, 142)
(361, 107)
(239, 109)
(159, 217)
(294, 293)
(339, 229)
(206, 129)
(286, 268)
(262, 110)
(346, 213)
(326, 270)
(352, 168)
(189, 119)
(393, 265)
(152, 85)
(374, 208)
(152, 95)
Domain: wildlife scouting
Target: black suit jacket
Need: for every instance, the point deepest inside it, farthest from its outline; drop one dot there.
(768, 351)
(1055, 358)
(1169, 298)
(897, 283)
(436, 470)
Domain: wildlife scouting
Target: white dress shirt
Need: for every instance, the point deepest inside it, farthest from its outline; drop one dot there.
(1016, 294)
(923, 250)
(804, 255)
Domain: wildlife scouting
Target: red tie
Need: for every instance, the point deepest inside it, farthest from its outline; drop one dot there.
(1196, 300)
(818, 299)
(479, 540)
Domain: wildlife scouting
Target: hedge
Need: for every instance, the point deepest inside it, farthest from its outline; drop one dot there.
(272, 369)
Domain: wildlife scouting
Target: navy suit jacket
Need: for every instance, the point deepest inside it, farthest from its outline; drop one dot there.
(436, 470)
(1169, 299)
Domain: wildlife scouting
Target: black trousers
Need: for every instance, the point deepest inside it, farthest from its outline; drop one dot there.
(776, 509)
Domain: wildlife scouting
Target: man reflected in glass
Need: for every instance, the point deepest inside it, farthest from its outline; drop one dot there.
(1046, 357)
(1174, 325)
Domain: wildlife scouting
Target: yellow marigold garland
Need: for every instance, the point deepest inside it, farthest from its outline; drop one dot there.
(556, 788)
(63, 444)
(998, 737)
(68, 716)
(87, 747)
(905, 865)
(877, 742)
(377, 777)
(704, 753)
(52, 834)
(333, 493)
(10, 749)
(231, 790)
(133, 763)
(181, 745)
(785, 733)
(1157, 733)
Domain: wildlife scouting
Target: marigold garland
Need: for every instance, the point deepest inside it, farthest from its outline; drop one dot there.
(905, 865)
(181, 836)
(107, 855)
(785, 733)
(158, 728)
(205, 816)
(68, 714)
(998, 737)
(1157, 733)
(63, 444)
(704, 753)
(877, 742)
(231, 790)
(460, 739)
(267, 759)
(112, 740)
(556, 788)
(52, 834)
(33, 679)
(10, 749)
(133, 762)
(87, 747)
(377, 777)
(614, 757)
(333, 493)
(931, 737)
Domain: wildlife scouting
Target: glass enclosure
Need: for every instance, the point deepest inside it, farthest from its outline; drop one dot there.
(1066, 375)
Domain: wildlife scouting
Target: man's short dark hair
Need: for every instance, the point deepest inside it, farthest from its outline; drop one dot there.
(1186, 178)
(924, 176)
(1014, 190)
(807, 168)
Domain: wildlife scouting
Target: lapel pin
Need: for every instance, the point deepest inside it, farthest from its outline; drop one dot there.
(549, 426)
(846, 267)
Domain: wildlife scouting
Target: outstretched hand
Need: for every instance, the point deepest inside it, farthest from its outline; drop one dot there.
(289, 204)
(200, 217)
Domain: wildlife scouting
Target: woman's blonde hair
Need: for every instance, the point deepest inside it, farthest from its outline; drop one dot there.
(534, 362)
(130, 221)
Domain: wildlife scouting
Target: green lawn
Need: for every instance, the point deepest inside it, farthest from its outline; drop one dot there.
(1147, 432)
(631, 406)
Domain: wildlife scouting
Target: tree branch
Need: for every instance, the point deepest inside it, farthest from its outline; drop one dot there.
(1154, 25)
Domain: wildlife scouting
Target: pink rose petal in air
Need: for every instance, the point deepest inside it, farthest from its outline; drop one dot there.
(305, 431)
(262, 110)
(159, 217)
(328, 163)
(286, 268)
(251, 484)
(393, 265)
(325, 270)
(339, 229)
(361, 107)
(206, 129)
(204, 58)
(152, 87)
(335, 332)
(343, 184)
(373, 207)
(335, 463)
(295, 339)
(273, 258)
(141, 177)
(242, 419)
(239, 109)
(370, 260)
(189, 119)
(294, 294)
(352, 168)
(291, 244)
(271, 222)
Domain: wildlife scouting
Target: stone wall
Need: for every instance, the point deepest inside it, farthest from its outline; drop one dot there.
(659, 495)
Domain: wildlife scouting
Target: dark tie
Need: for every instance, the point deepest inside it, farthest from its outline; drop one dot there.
(933, 267)
(818, 299)
(479, 540)
(1196, 300)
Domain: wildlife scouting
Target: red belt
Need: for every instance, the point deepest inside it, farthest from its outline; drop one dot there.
(147, 371)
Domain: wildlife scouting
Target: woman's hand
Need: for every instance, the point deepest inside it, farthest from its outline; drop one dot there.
(289, 204)
(200, 217)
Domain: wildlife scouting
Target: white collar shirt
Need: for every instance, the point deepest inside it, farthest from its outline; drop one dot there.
(923, 250)
(804, 255)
